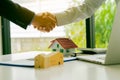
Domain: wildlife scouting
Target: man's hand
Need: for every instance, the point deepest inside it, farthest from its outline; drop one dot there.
(44, 21)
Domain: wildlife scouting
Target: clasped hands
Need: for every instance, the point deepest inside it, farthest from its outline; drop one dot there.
(44, 22)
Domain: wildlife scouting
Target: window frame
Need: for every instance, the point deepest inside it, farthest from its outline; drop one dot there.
(6, 40)
(90, 32)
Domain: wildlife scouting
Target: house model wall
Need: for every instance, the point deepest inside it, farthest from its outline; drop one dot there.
(63, 45)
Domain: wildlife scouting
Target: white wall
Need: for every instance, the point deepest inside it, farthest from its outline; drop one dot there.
(0, 38)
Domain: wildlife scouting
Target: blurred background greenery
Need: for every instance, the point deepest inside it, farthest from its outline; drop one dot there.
(103, 23)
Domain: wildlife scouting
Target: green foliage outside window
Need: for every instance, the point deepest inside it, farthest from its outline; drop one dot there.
(103, 22)
(76, 31)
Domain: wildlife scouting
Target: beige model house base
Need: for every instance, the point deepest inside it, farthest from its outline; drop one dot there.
(45, 61)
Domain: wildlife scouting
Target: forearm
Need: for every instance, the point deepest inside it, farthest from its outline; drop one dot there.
(78, 13)
(16, 13)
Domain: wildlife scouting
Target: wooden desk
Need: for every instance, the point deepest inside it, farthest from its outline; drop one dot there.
(74, 70)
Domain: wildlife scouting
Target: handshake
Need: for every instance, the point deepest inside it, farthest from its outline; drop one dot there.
(44, 22)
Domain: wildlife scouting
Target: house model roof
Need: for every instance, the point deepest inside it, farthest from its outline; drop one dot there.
(66, 43)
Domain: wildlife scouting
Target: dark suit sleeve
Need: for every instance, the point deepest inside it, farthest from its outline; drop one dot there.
(16, 13)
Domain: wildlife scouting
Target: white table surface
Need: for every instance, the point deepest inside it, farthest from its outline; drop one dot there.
(73, 70)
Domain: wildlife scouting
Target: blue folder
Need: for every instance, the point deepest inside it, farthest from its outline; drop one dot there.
(29, 62)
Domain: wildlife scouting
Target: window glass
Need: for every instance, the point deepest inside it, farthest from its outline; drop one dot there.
(57, 45)
(103, 23)
(67, 50)
(32, 39)
(77, 31)
(54, 49)
(61, 50)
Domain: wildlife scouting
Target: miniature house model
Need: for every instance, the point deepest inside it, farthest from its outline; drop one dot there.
(45, 61)
(63, 45)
